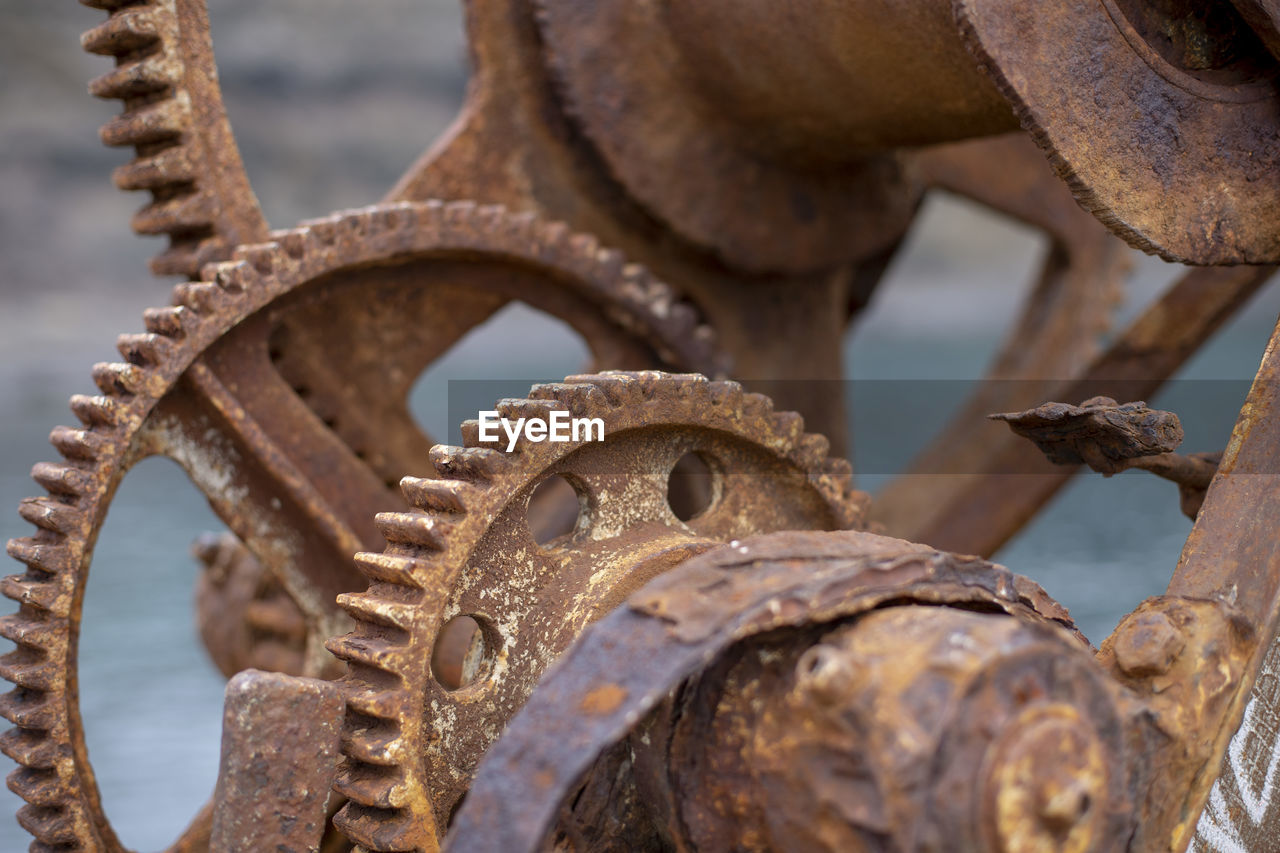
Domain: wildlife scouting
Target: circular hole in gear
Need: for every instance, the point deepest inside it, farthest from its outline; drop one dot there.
(555, 510)
(692, 486)
(463, 653)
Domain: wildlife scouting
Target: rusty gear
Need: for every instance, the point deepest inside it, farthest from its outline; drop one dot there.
(467, 550)
(172, 396)
(174, 118)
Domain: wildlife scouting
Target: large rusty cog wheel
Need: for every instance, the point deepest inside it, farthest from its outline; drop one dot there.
(295, 482)
(467, 550)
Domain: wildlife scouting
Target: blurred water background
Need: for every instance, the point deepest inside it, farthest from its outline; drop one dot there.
(331, 101)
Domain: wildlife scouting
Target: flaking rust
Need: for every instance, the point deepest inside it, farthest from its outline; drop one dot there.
(693, 644)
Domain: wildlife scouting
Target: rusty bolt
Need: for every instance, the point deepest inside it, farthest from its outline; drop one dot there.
(824, 673)
(1148, 644)
(1047, 776)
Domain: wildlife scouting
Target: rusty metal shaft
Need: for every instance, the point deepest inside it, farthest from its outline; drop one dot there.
(823, 79)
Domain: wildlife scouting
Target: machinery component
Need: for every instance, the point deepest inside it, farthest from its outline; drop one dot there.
(467, 550)
(1110, 438)
(174, 118)
(886, 696)
(297, 483)
(1106, 436)
(279, 381)
(816, 94)
(279, 752)
(1165, 127)
(741, 628)
(246, 618)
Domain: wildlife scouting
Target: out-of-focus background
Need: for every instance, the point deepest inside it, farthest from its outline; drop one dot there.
(331, 101)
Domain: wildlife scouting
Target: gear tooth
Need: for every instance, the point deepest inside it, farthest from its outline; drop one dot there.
(50, 825)
(725, 394)
(19, 668)
(260, 256)
(132, 79)
(609, 263)
(380, 610)
(170, 321)
(294, 242)
(370, 701)
(124, 32)
(144, 349)
(424, 529)
(583, 245)
(372, 652)
(619, 389)
(555, 233)
(186, 254)
(457, 213)
(371, 785)
(683, 319)
(788, 427)
(468, 463)
(95, 411)
(183, 212)
(73, 443)
(30, 747)
(29, 708)
(233, 276)
(372, 740)
(515, 408)
(37, 593)
(201, 297)
(164, 168)
(523, 223)
(580, 399)
(119, 379)
(756, 406)
(812, 450)
(435, 495)
(386, 568)
(160, 121)
(39, 787)
(50, 514)
(470, 432)
(382, 829)
(321, 233)
(27, 631)
(48, 557)
(61, 479)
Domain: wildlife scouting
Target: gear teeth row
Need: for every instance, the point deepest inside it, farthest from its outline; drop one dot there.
(381, 662)
(158, 121)
(427, 546)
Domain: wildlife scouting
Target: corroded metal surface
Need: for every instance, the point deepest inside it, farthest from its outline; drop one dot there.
(738, 702)
(1110, 438)
(294, 484)
(764, 589)
(1165, 127)
(796, 690)
(279, 753)
(467, 550)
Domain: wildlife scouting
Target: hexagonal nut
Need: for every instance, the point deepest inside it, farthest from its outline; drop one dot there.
(1148, 644)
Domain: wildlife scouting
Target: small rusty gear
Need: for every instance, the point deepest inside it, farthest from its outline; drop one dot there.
(200, 387)
(174, 118)
(467, 550)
